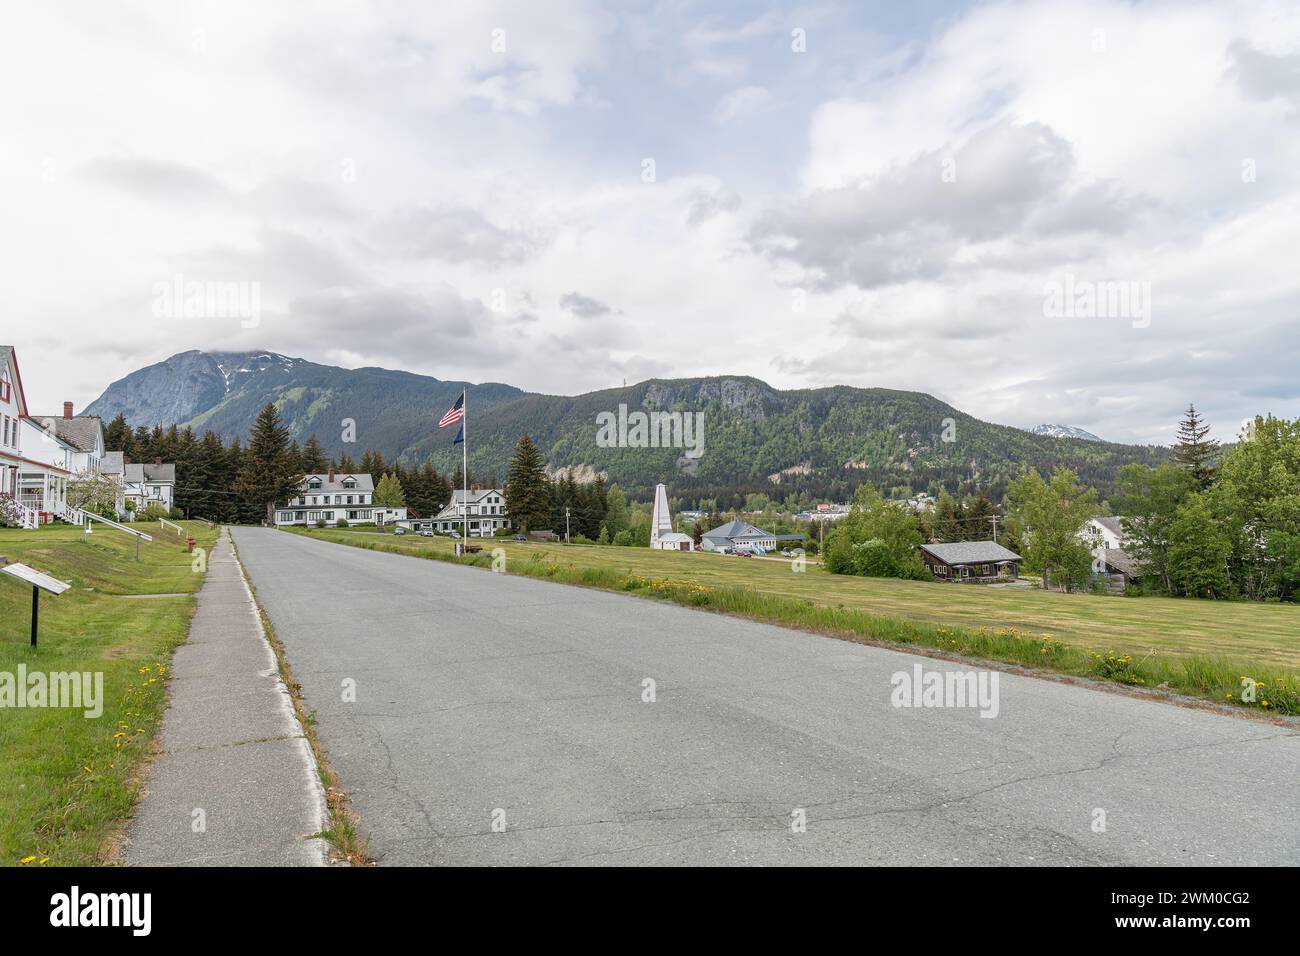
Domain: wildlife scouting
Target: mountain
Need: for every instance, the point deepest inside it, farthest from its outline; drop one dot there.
(755, 438)
(1063, 431)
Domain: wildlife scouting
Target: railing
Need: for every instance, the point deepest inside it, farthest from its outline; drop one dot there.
(164, 523)
(90, 515)
(30, 517)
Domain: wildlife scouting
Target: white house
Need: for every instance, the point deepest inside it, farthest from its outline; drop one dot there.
(330, 498)
(149, 484)
(1109, 552)
(742, 536)
(35, 463)
(1106, 532)
(85, 433)
(485, 509)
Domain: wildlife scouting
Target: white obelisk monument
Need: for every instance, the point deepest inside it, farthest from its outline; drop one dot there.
(661, 522)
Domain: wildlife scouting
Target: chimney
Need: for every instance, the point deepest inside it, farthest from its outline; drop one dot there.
(67, 409)
(157, 460)
(331, 476)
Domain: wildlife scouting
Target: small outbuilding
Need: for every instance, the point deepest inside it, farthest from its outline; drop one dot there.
(673, 541)
(971, 561)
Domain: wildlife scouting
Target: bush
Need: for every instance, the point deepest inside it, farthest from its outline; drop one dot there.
(9, 512)
(151, 512)
(341, 523)
(320, 522)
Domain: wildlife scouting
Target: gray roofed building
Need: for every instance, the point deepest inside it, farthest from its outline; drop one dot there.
(137, 473)
(970, 552)
(1112, 525)
(971, 561)
(83, 432)
(113, 463)
(739, 533)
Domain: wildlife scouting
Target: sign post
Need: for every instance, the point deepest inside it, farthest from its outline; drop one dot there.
(39, 582)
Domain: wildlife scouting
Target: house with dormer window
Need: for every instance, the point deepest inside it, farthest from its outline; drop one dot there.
(484, 508)
(332, 498)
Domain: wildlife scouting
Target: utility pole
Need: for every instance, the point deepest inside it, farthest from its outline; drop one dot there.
(994, 519)
(566, 525)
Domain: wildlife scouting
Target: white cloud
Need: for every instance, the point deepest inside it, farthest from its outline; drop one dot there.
(408, 195)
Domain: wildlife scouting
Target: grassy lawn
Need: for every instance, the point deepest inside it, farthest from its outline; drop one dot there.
(67, 782)
(1201, 647)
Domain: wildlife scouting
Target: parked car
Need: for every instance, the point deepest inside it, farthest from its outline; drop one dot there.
(399, 531)
(456, 535)
(521, 537)
(744, 554)
(426, 534)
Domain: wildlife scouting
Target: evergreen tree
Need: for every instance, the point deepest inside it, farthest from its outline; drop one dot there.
(1196, 451)
(313, 456)
(528, 491)
(947, 518)
(976, 514)
(267, 475)
(616, 516)
(141, 447)
(118, 437)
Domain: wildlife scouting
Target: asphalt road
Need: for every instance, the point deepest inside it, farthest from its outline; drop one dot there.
(501, 720)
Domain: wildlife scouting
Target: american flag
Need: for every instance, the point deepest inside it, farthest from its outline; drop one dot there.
(455, 413)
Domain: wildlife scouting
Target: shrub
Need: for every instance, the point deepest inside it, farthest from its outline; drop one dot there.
(320, 522)
(9, 512)
(341, 523)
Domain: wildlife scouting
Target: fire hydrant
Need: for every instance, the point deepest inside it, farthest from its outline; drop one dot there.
(189, 543)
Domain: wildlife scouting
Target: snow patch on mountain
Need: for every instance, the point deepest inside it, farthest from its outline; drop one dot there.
(1063, 431)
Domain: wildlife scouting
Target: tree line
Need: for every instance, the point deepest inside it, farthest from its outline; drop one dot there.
(1209, 523)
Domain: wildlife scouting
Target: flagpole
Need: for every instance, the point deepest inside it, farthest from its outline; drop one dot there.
(464, 451)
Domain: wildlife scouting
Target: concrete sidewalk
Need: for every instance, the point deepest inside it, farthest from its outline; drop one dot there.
(235, 783)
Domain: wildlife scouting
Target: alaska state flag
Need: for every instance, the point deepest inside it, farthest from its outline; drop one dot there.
(460, 436)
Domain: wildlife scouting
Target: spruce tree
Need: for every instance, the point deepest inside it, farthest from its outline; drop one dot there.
(313, 456)
(118, 437)
(528, 490)
(267, 475)
(1196, 451)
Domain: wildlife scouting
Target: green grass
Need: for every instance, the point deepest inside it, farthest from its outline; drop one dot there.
(1202, 648)
(67, 783)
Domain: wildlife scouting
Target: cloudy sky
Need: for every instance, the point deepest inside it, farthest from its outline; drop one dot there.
(566, 195)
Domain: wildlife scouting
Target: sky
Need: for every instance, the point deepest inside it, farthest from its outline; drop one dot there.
(1078, 212)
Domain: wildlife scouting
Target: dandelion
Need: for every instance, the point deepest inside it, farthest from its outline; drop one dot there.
(25, 860)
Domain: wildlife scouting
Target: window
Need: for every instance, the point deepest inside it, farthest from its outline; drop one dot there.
(5, 391)
(314, 483)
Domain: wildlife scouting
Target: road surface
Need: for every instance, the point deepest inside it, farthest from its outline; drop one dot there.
(501, 720)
